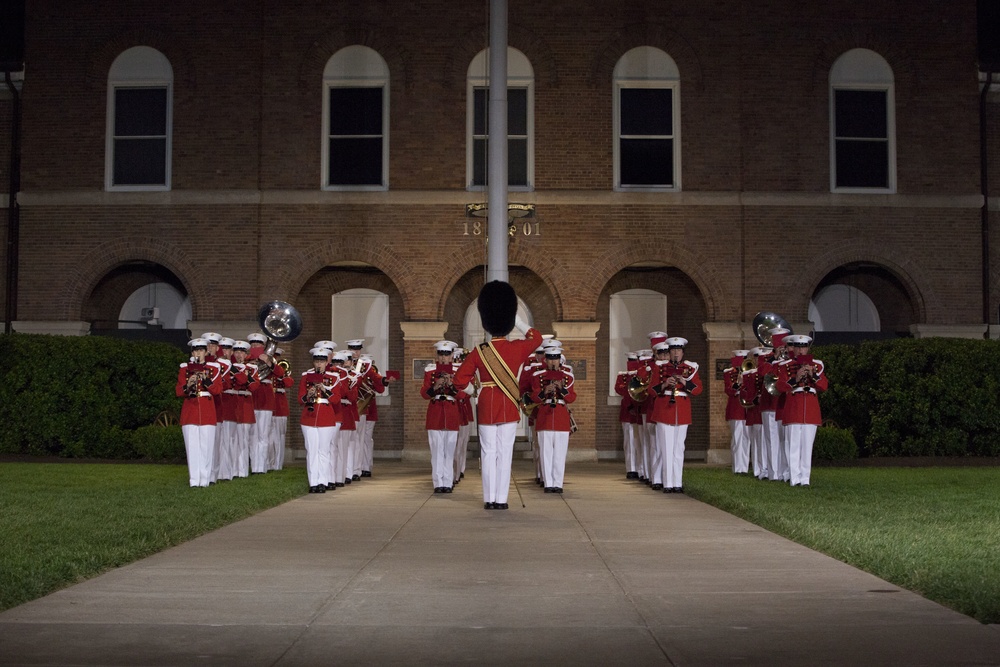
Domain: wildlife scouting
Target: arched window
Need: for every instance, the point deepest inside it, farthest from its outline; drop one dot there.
(140, 91)
(362, 313)
(843, 308)
(356, 120)
(647, 146)
(633, 314)
(520, 121)
(862, 124)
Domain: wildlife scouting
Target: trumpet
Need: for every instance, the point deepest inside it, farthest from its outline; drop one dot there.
(196, 381)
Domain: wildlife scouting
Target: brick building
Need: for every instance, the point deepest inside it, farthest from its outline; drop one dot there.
(689, 164)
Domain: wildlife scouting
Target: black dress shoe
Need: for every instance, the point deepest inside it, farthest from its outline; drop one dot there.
(437, 489)
(329, 487)
(338, 484)
(461, 475)
(548, 489)
(320, 489)
(366, 473)
(355, 477)
(446, 489)
(312, 489)
(489, 506)
(679, 489)
(347, 480)
(667, 490)
(657, 487)
(556, 489)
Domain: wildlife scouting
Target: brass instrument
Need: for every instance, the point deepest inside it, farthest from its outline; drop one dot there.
(638, 390)
(528, 406)
(196, 380)
(365, 390)
(281, 322)
(285, 365)
(763, 322)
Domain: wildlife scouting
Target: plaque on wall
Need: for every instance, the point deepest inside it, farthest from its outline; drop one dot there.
(579, 368)
(720, 367)
(418, 368)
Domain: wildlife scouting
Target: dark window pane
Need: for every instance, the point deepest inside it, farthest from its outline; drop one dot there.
(861, 113)
(647, 111)
(517, 162)
(479, 166)
(517, 111)
(480, 113)
(647, 161)
(355, 111)
(355, 162)
(862, 164)
(140, 112)
(140, 162)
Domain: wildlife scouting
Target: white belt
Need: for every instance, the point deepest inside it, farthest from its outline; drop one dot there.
(230, 391)
(442, 397)
(243, 393)
(280, 391)
(202, 394)
(265, 382)
(321, 400)
(556, 402)
(803, 390)
(344, 401)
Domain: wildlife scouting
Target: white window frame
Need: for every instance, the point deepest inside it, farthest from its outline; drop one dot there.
(664, 75)
(864, 70)
(519, 75)
(355, 66)
(629, 335)
(138, 67)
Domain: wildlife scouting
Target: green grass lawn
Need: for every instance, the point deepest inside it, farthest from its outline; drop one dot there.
(62, 523)
(935, 531)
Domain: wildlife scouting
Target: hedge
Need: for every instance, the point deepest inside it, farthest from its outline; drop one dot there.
(916, 397)
(83, 396)
(834, 444)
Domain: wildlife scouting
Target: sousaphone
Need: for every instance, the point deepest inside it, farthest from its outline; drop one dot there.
(763, 322)
(280, 322)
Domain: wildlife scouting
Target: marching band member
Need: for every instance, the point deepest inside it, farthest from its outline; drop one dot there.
(528, 368)
(552, 389)
(225, 411)
(347, 437)
(751, 387)
(243, 380)
(466, 419)
(627, 415)
(376, 383)
(319, 424)
(674, 381)
(263, 409)
(647, 373)
(497, 410)
(771, 428)
(736, 413)
(443, 417)
(213, 340)
(644, 429)
(799, 380)
(279, 422)
(198, 382)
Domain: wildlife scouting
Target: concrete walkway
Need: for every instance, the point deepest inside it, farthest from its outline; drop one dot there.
(385, 572)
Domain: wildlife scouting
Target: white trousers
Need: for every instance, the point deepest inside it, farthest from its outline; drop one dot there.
(800, 449)
(670, 442)
(366, 446)
(740, 445)
(776, 463)
(226, 437)
(317, 441)
(199, 443)
(276, 459)
(461, 448)
(442, 445)
(341, 451)
(217, 453)
(638, 437)
(628, 447)
(655, 460)
(756, 434)
(261, 441)
(496, 444)
(553, 446)
(241, 465)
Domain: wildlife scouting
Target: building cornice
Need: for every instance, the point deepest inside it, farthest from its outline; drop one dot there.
(459, 198)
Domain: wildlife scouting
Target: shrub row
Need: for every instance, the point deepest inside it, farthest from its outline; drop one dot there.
(85, 397)
(916, 397)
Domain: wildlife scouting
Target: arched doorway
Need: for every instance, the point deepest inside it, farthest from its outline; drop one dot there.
(860, 301)
(140, 300)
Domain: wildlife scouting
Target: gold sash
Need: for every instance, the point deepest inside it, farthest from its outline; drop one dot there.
(500, 371)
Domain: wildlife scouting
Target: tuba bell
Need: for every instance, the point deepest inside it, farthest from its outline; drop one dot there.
(639, 390)
(763, 322)
(280, 322)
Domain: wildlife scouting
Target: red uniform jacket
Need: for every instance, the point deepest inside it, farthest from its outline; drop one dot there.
(765, 401)
(528, 369)
(801, 400)
(629, 412)
(245, 383)
(442, 411)
(377, 383)
(199, 408)
(263, 396)
(322, 412)
(734, 409)
(281, 386)
(552, 413)
(493, 406)
(677, 412)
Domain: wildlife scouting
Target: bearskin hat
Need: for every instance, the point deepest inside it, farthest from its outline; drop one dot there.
(497, 305)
